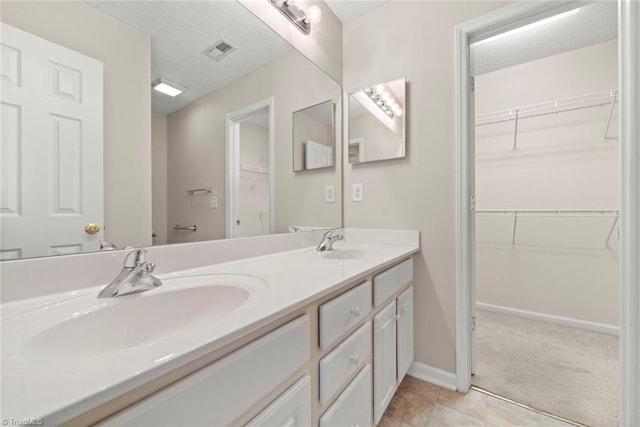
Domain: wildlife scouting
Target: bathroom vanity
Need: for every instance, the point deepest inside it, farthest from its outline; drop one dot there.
(304, 338)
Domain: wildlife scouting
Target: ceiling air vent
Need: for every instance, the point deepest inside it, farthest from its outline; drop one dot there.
(219, 50)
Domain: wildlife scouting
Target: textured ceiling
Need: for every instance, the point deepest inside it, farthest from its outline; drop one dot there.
(346, 10)
(181, 30)
(594, 23)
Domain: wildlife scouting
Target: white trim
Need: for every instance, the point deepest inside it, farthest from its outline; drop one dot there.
(232, 138)
(629, 69)
(550, 318)
(436, 376)
(493, 23)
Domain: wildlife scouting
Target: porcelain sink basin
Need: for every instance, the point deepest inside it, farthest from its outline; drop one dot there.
(113, 324)
(344, 253)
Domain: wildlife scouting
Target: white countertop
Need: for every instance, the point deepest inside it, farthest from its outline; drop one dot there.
(58, 388)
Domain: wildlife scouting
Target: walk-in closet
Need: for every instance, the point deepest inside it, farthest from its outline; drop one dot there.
(547, 213)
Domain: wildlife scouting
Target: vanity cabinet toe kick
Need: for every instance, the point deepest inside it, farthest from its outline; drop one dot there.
(317, 366)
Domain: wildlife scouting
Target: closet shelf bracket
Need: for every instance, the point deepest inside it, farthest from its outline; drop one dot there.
(614, 95)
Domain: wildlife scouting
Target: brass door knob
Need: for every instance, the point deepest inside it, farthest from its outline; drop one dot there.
(92, 228)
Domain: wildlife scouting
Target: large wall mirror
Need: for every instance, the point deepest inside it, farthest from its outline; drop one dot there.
(377, 122)
(111, 159)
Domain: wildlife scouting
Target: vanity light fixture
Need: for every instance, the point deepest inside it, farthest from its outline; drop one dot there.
(385, 100)
(297, 16)
(167, 87)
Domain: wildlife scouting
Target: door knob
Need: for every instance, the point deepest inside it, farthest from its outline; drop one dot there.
(237, 222)
(92, 228)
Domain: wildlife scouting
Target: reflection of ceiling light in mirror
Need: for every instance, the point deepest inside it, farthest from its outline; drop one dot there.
(532, 25)
(384, 99)
(167, 87)
(294, 13)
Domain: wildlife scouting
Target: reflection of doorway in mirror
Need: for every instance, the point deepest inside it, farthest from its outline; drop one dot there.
(249, 173)
(51, 148)
(356, 150)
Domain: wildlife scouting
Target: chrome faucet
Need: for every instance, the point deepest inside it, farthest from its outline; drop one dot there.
(135, 276)
(328, 239)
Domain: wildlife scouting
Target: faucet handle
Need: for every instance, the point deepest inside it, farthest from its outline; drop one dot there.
(138, 257)
(329, 232)
(148, 266)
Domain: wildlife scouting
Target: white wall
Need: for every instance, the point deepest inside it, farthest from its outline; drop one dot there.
(416, 40)
(558, 266)
(196, 150)
(126, 55)
(159, 177)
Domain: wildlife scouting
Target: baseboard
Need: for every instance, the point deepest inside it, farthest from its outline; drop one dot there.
(439, 377)
(549, 318)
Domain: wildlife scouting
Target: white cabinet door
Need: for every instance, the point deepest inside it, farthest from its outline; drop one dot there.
(384, 359)
(353, 407)
(50, 147)
(405, 332)
(292, 409)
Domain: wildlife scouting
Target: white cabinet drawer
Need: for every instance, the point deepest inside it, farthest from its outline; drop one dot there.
(338, 365)
(224, 390)
(342, 312)
(387, 283)
(291, 409)
(353, 406)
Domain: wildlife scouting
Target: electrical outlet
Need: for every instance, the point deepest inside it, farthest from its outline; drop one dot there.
(357, 192)
(213, 202)
(330, 194)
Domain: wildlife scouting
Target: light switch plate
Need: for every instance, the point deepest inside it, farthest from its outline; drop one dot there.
(357, 192)
(213, 202)
(330, 194)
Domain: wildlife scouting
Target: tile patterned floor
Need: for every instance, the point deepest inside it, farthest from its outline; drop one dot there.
(418, 403)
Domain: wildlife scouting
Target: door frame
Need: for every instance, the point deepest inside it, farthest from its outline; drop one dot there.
(232, 137)
(505, 19)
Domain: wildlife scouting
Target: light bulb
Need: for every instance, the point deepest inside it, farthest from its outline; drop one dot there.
(314, 14)
(399, 112)
(379, 88)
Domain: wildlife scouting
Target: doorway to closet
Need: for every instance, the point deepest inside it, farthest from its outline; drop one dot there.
(546, 183)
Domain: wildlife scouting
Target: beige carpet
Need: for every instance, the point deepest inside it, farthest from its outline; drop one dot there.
(564, 371)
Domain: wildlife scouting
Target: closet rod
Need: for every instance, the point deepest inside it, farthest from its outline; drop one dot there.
(515, 213)
(548, 212)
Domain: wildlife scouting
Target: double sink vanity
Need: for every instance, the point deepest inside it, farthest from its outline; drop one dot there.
(277, 334)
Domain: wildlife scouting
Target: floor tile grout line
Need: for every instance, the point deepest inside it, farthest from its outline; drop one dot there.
(522, 405)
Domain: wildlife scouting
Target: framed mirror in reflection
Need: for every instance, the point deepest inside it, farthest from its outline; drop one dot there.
(314, 137)
(377, 119)
(99, 158)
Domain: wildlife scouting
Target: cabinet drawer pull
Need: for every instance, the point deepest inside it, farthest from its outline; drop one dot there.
(355, 311)
(355, 358)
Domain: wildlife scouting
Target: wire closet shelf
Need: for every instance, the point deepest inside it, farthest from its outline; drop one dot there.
(598, 99)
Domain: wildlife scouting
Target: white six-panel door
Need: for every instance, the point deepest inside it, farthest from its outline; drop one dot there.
(317, 155)
(51, 158)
